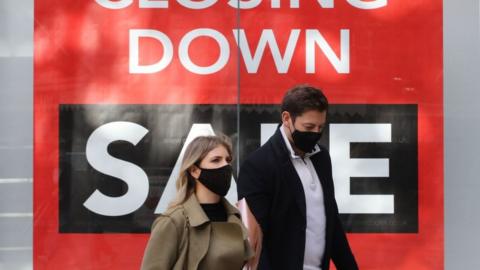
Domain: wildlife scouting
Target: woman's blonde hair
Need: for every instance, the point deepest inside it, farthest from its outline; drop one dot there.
(194, 154)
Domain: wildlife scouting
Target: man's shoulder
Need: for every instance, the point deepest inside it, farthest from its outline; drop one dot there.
(263, 154)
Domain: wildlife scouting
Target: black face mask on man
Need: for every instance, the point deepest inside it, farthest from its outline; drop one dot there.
(217, 180)
(305, 140)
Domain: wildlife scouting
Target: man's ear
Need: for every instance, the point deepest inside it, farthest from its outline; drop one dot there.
(285, 118)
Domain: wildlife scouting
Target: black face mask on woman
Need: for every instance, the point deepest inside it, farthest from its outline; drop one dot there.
(306, 140)
(217, 180)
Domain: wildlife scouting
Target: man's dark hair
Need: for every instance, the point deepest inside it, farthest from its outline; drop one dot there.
(302, 98)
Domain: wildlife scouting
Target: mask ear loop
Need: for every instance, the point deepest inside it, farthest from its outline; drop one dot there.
(293, 125)
(190, 178)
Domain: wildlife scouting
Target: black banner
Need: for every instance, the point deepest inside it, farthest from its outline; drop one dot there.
(160, 132)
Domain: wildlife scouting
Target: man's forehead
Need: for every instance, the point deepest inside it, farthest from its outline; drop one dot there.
(312, 115)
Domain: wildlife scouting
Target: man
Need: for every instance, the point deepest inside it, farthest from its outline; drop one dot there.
(288, 186)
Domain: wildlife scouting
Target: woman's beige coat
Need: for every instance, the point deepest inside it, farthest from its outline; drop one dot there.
(180, 238)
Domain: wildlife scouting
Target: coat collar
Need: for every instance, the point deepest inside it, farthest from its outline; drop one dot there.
(279, 147)
(196, 215)
(198, 220)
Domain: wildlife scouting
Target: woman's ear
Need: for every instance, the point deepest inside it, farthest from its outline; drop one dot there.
(194, 171)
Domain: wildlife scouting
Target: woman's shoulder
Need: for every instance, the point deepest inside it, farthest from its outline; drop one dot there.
(174, 215)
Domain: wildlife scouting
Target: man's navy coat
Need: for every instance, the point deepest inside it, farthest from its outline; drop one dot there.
(269, 182)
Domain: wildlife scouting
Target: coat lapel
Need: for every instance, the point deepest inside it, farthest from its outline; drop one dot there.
(327, 199)
(288, 171)
(199, 236)
(319, 168)
(233, 216)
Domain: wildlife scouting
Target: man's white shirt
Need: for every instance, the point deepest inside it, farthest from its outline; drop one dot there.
(316, 221)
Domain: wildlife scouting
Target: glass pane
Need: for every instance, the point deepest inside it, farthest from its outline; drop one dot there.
(121, 88)
(379, 63)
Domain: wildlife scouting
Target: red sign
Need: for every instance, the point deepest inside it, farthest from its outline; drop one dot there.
(164, 52)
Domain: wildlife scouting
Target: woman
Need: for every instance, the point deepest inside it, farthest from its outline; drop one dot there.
(200, 230)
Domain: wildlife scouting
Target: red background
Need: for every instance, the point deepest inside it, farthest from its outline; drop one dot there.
(81, 56)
